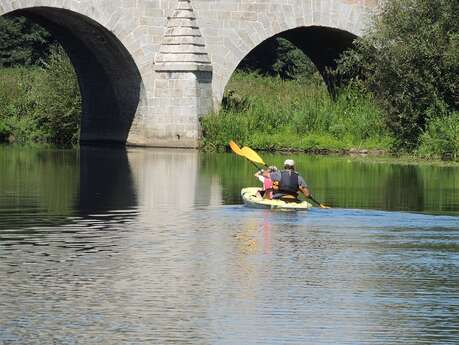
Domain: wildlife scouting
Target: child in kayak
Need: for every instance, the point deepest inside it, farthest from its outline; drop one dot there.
(265, 177)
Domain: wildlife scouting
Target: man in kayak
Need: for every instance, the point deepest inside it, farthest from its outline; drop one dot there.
(287, 183)
(265, 177)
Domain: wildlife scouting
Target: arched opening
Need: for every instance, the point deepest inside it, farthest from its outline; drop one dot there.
(321, 45)
(301, 53)
(109, 80)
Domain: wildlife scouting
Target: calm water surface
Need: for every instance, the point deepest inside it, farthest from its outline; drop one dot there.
(112, 246)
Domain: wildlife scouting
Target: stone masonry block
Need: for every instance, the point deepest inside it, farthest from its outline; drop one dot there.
(182, 31)
(196, 40)
(183, 49)
(181, 22)
(183, 14)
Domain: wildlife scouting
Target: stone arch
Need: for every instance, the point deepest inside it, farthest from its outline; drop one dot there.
(330, 20)
(323, 45)
(109, 78)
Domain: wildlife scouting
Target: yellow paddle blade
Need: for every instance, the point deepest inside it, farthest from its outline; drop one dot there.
(252, 155)
(236, 149)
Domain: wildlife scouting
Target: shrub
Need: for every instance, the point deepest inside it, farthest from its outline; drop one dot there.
(60, 101)
(441, 138)
(410, 60)
(40, 104)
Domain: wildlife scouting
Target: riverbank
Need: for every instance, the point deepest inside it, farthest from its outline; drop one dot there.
(38, 105)
(271, 114)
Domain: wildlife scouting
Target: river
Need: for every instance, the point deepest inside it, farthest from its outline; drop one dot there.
(135, 246)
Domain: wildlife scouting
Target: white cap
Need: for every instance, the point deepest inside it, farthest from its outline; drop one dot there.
(289, 162)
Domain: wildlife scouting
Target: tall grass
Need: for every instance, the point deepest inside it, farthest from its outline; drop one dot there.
(272, 114)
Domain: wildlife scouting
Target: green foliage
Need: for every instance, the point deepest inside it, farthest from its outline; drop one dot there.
(279, 57)
(441, 139)
(410, 60)
(23, 42)
(18, 100)
(307, 119)
(61, 101)
(40, 104)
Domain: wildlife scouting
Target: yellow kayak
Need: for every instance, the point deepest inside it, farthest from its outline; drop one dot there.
(249, 195)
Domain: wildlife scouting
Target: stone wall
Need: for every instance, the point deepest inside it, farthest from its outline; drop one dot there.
(165, 108)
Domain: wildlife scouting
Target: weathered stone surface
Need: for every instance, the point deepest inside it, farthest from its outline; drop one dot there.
(183, 49)
(184, 40)
(173, 50)
(149, 68)
(183, 57)
(188, 13)
(187, 64)
(181, 22)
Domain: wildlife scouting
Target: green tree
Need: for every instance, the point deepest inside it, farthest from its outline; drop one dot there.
(279, 57)
(410, 60)
(60, 101)
(23, 42)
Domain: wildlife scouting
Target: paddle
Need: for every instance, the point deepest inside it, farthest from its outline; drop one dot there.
(252, 156)
(318, 203)
(237, 150)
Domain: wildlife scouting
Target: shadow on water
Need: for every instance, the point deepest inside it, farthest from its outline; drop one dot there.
(49, 187)
(106, 181)
(403, 189)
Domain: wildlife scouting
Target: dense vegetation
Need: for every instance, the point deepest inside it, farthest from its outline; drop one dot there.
(410, 61)
(39, 94)
(274, 114)
(40, 104)
(23, 42)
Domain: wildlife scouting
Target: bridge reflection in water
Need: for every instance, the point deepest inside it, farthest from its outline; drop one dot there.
(171, 178)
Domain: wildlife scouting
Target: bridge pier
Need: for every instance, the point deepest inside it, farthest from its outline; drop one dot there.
(181, 98)
(183, 84)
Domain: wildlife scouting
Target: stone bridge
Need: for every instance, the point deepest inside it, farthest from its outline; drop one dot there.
(148, 69)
